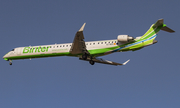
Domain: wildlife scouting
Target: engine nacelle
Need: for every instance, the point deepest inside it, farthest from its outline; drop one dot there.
(124, 38)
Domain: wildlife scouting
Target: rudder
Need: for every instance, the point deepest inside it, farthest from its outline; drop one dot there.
(155, 28)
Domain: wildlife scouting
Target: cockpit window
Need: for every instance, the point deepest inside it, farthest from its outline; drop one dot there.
(12, 50)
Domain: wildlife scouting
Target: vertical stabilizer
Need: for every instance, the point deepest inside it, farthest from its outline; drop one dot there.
(158, 23)
(155, 28)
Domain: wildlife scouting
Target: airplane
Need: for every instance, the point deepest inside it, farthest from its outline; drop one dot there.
(90, 51)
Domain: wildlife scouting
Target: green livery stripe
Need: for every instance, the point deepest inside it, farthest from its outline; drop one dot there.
(6, 59)
(92, 52)
(103, 50)
(38, 56)
(152, 31)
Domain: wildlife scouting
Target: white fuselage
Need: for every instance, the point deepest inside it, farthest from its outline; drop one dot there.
(58, 48)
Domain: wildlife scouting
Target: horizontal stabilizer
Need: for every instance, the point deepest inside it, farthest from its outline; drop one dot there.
(160, 22)
(167, 29)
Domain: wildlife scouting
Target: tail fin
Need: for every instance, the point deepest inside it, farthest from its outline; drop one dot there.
(155, 28)
(158, 23)
(164, 28)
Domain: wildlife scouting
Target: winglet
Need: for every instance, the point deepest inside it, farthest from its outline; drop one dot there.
(126, 62)
(82, 28)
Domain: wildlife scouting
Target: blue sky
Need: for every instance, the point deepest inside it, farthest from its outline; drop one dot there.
(150, 79)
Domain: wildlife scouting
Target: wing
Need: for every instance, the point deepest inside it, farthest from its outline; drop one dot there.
(99, 60)
(78, 46)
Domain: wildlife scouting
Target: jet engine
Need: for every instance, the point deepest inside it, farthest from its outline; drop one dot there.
(124, 38)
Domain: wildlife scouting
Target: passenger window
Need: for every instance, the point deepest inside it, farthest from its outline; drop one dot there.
(66, 45)
(94, 43)
(63, 45)
(101, 42)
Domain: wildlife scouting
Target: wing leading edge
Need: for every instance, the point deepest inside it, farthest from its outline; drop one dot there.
(79, 47)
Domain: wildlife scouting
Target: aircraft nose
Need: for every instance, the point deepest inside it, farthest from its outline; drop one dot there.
(5, 57)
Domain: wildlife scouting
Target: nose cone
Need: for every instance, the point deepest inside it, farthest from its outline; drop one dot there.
(5, 57)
